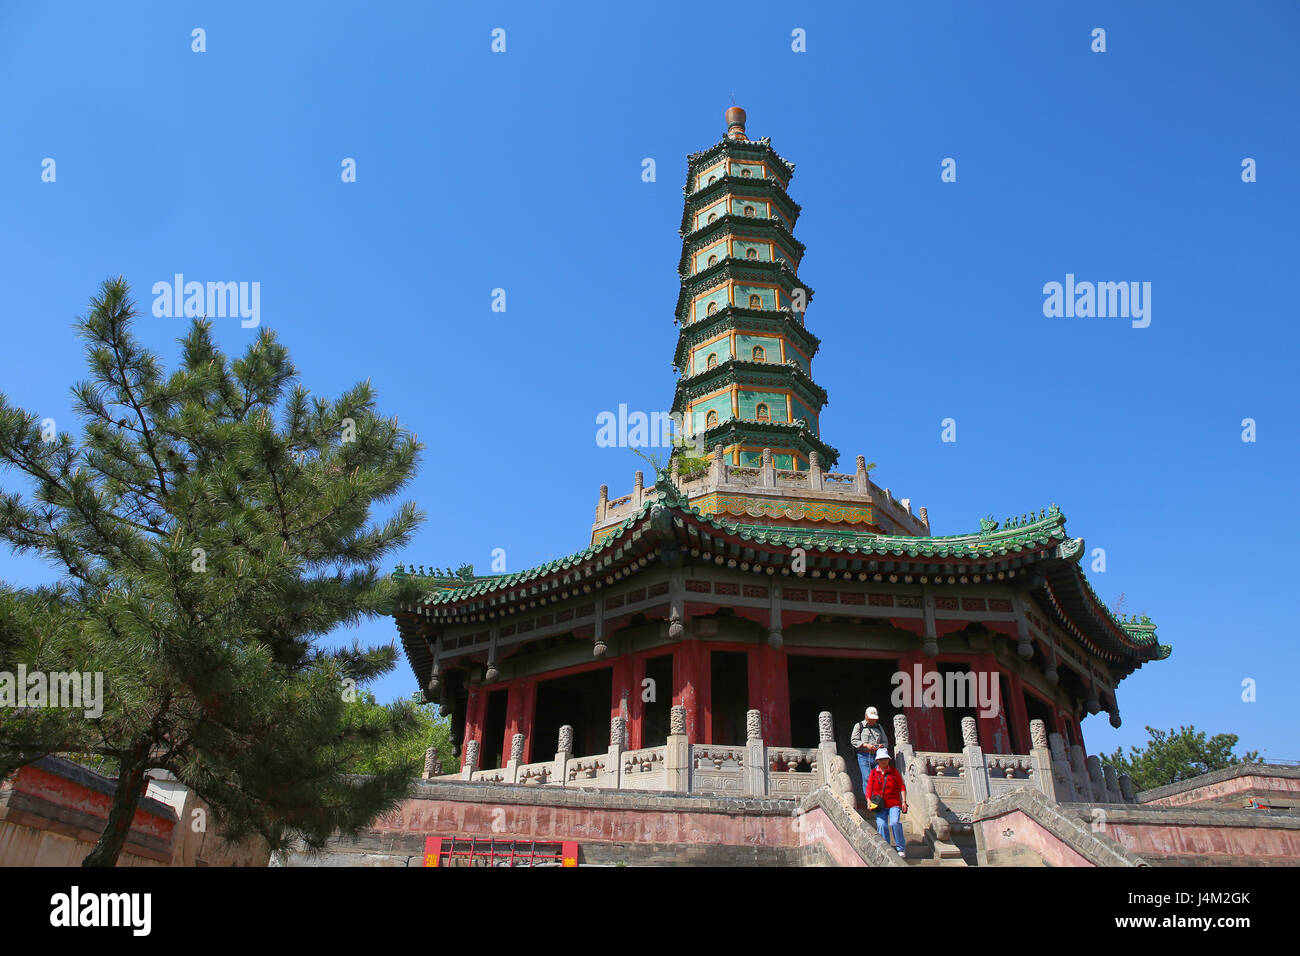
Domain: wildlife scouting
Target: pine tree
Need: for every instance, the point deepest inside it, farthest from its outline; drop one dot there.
(209, 526)
(1178, 755)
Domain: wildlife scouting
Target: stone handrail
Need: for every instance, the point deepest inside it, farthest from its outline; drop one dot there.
(945, 787)
(767, 480)
(1009, 765)
(751, 768)
(718, 756)
(791, 757)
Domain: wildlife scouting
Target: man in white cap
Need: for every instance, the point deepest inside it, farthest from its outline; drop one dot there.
(868, 737)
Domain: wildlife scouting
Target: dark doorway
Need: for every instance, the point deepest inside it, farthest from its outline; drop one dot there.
(580, 700)
(654, 713)
(729, 698)
(845, 686)
(494, 731)
(956, 691)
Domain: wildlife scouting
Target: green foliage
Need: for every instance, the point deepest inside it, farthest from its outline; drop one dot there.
(209, 525)
(1174, 756)
(407, 747)
(682, 450)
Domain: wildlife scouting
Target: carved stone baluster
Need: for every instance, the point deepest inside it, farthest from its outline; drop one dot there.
(755, 757)
(977, 777)
(1079, 771)
(902, 744)
(1112, 784)
(617, 744)
(432, 765)
(677, 752)
(1040, 759)
(516, 758)
(471, 760)
(563, 754)
(1126, 788)
(1097, 779)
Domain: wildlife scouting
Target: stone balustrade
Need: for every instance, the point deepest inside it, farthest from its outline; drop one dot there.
(769, 482)
(945, 787)
(750, 769)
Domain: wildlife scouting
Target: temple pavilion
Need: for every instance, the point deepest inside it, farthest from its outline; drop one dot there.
(761, 579)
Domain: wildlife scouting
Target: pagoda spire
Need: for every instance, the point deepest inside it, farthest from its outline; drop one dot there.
(744, 354)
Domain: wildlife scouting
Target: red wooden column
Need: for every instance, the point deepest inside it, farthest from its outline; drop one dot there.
(514, 713)
(769, 693)
(690, 687)
(1019, 714)
(925, 723)
(473, 722)
(636, 706)
(622, 690)
(529, 717)
(995, 734)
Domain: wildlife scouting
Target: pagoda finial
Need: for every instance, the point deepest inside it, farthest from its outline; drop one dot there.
(735, 123)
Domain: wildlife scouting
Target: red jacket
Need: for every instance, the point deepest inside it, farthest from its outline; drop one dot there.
(890, 784)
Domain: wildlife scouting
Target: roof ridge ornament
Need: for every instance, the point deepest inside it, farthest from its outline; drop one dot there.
(1070, 550)
(669, 494)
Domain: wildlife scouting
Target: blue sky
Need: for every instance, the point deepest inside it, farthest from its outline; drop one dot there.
(522, 170)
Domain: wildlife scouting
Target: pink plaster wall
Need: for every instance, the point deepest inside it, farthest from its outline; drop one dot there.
(1256, 843)
(814, 828)
(1235, 791)
(1026, 832)
(506, 821)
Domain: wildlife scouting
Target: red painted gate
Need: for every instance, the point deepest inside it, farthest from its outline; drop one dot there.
(473, 851)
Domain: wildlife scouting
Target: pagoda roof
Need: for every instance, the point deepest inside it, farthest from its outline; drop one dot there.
(1037, 543)
(730, 224)
(782, 321)
(761, 145)
(740, 271)
(750, 374)
(731, 186)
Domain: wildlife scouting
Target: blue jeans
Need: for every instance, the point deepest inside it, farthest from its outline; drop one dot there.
(865, 763)
(887, 818)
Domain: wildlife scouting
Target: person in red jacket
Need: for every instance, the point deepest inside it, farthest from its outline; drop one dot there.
(886, 790)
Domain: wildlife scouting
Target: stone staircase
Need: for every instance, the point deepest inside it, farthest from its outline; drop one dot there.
(919, 850)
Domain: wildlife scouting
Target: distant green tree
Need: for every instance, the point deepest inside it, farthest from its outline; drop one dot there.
(1177, 755)
(209, 526)
(408, 747)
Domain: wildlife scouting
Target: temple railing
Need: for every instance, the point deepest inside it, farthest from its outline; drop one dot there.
(644, 769)
(748, 769)
(774, 484)
(944, 787)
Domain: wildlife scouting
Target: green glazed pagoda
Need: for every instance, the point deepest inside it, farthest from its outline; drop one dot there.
(744, 354)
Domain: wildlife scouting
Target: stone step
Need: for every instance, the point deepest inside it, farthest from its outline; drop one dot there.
(920, 853)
